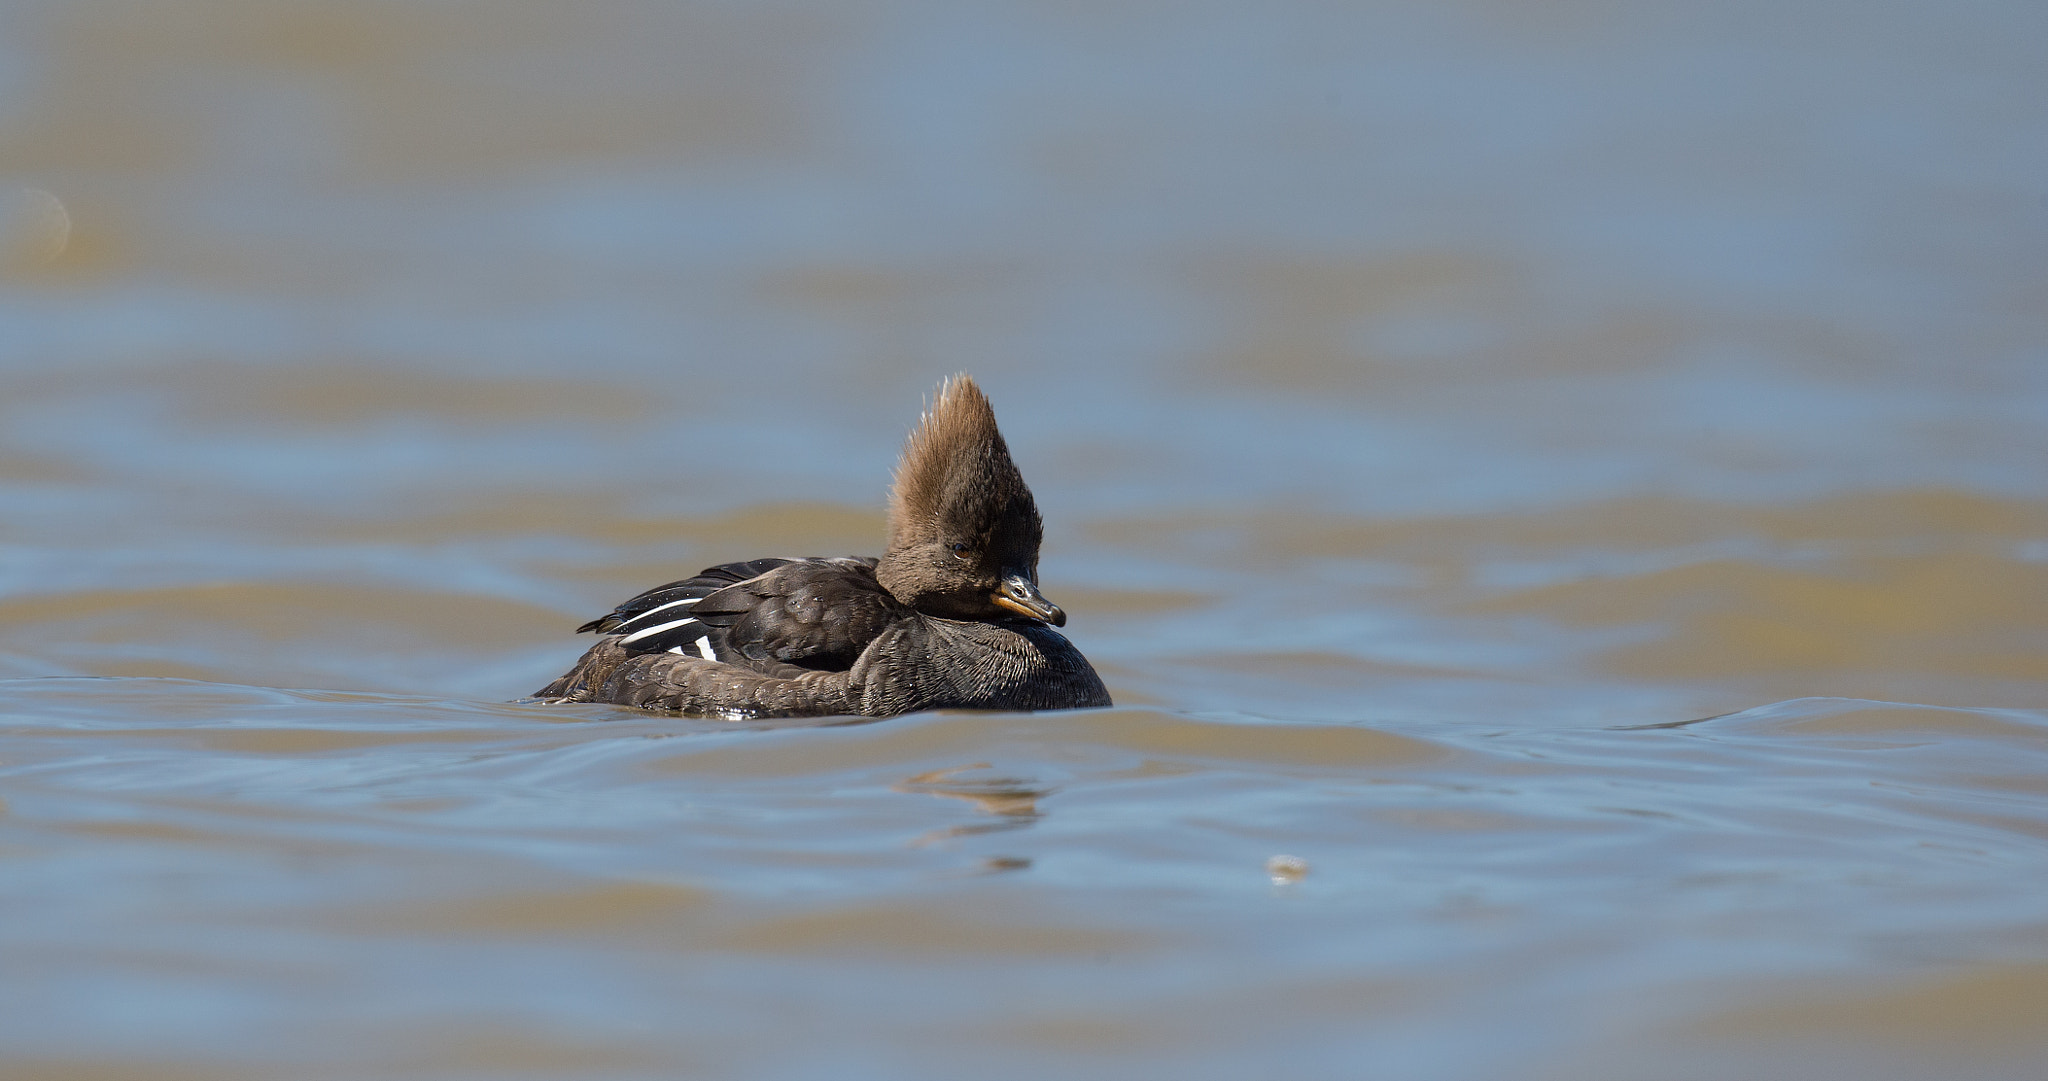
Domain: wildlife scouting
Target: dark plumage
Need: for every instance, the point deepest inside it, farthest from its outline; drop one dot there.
(949, 616)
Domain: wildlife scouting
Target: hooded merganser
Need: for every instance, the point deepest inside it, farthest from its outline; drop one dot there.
(949, 617)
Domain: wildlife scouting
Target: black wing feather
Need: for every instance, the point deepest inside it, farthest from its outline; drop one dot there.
(815, 613)
(765, 614)
(661, 619)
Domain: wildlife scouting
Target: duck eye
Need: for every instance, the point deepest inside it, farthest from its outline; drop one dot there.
(959, 549)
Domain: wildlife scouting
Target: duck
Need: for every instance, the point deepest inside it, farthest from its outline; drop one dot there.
(949, 616)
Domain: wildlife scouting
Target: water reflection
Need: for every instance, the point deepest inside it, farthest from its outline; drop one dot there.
(1011, 801)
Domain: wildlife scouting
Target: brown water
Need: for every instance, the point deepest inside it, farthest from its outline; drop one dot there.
(1438, 410)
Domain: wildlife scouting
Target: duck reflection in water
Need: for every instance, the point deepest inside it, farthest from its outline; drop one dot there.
(1011, 801)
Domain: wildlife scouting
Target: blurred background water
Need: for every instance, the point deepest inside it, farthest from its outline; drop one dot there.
(1434, 408)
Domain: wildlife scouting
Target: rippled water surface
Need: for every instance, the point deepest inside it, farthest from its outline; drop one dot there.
(1569, 476)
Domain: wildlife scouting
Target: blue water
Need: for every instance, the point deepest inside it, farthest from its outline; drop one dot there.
(1427, 403)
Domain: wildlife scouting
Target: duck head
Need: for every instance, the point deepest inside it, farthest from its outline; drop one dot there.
(963, 529)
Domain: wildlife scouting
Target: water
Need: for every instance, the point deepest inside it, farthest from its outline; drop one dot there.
(1571, 478)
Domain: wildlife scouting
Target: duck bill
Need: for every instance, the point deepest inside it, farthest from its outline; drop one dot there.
(1020, 594)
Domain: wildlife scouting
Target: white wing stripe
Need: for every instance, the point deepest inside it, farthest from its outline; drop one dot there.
(637, 635)
(660, 608)
(704, 649)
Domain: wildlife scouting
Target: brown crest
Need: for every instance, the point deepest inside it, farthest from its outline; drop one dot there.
(956, 472)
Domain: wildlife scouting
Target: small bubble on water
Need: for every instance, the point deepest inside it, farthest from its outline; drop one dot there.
(34, 226)
(1287, 870)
